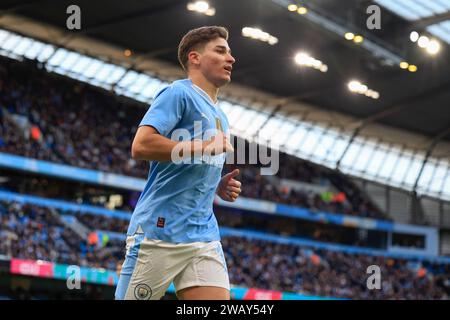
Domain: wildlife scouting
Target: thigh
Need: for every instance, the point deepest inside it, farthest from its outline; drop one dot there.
(206, 276)
(156, 266)
(203, 293)
(133, 244)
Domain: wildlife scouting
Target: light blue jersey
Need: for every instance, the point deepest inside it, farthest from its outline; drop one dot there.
(177, 202)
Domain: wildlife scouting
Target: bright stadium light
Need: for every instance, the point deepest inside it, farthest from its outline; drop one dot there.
(258, 34)
(304, 59)
(201, 7)
(210, 12)
(375, 95)
(433, 47)
(292, 7)
(370, 93)
(423, 41)
(349, 36)
(354, 85)
(302, 10)
(358, 39)
(412, 68)
(272, 41)
(316, 64)
(324, 68)
(404, 65)
(355, 37)
(362, 89)
(414, 36)
(409, 67)
(357, 87)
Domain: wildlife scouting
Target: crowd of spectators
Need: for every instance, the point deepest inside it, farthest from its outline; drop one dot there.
(285, 267)
(53, 118)
(258, 186)
(74, 123)
(35, 232)
(277, 225)
(100, 222)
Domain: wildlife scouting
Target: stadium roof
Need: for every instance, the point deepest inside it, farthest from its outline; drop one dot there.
(411, 101)
(436, 14)
(155, 27)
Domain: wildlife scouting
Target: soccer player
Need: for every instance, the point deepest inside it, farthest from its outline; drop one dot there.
(173, 234)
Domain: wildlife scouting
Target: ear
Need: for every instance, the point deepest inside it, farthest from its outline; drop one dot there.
(194, 57)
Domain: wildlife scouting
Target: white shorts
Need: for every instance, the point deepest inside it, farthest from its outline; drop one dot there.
(150, 267)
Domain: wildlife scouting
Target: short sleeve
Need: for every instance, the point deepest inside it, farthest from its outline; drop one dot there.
(166, 110)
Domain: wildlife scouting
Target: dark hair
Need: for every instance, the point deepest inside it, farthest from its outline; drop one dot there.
(196, 38)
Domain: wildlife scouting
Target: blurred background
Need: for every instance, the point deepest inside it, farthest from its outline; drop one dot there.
(354, 94)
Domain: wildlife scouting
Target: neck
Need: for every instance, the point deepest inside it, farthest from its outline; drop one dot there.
(205, 85)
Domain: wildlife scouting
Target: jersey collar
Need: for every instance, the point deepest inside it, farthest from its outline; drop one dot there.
(202, 92)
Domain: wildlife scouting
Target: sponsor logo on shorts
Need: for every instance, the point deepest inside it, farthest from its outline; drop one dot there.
(142, 292)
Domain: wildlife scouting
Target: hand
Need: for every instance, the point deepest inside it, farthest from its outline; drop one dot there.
(217, 145)
(229, 188)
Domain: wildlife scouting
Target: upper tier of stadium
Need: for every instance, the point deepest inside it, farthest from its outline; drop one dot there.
(358, 147)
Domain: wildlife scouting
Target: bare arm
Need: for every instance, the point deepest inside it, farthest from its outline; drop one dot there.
(149, 145)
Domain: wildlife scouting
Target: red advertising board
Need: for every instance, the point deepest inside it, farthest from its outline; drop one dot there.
(32, 268)
(257, 294)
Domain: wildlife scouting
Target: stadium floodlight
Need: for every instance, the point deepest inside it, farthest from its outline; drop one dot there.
(354, 85)
(414, 36)
(201, 7)
(304, 59)
(302, 10)
(292, 7)
(412, 68)
(358, 39)
(357, 87)
(258, 34)
(349, 36)
(404, 65)
(423, 41)
(372, 94)
(375, 95)
(433, 47)
(362, 89)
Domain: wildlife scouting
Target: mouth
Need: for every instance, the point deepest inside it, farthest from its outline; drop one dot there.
(228, 69)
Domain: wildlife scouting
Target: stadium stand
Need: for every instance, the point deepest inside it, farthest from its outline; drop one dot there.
(362, 181)
(38, 233)
(49, 106)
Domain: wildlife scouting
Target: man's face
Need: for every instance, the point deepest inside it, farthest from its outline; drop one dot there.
(216, 62)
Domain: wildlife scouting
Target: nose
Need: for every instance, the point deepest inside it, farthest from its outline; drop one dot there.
(231, 59)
